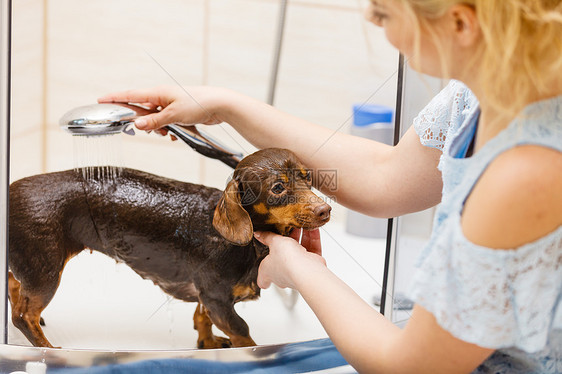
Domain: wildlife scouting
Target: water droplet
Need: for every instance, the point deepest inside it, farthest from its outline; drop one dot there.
(98, 158)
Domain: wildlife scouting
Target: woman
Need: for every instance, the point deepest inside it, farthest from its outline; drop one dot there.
(488, 286)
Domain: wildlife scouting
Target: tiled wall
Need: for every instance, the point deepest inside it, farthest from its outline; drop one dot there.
(66, 53)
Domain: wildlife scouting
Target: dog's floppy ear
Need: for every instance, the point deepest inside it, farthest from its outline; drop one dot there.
(230, 219)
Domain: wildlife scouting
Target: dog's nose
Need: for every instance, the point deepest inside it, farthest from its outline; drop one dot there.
(322, 212)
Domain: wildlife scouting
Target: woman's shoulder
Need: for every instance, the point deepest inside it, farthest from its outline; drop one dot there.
(493, 275)
(517, 199)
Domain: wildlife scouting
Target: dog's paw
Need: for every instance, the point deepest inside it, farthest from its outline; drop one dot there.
(214, 342)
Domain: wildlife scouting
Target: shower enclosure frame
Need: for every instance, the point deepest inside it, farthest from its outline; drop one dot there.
(413, 92)
(5, 102)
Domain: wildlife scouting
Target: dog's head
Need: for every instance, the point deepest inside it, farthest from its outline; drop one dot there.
(270, 190)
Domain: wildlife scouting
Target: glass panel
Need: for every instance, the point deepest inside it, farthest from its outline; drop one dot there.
(412, 231)
(67, 53)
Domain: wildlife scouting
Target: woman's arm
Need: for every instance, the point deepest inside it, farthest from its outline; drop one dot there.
(372, 177)
(367, 340)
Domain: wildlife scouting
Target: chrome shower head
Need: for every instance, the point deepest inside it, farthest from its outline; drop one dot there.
(109, 119)
(100, 119)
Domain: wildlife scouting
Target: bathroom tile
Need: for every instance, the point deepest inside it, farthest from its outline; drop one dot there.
(333, 62)
(102, 46)
(341, 5)
(241, 45)
(27, 66)
(25, 155)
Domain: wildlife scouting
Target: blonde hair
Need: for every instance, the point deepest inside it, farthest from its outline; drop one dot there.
(522, 49)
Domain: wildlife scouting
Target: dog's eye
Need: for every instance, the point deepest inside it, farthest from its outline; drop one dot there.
(278, 188)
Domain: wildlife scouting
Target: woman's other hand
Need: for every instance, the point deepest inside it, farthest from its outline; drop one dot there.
(287, 257)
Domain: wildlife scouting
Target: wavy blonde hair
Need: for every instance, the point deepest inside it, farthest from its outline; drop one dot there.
(522, 49)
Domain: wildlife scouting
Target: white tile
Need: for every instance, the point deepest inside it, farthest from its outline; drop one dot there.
(27, 66)
(241, 41)
(101, 46)
(332, 60)
(339, 4)
(25, 155)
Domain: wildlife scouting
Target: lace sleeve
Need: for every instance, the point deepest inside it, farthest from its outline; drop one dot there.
(444, 112)
(493, 298)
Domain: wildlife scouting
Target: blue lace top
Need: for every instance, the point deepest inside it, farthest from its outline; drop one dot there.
(508, 300)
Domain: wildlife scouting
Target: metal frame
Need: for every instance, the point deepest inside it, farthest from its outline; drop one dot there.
(5, 100)
(414, 91)
(303, 357)
(277, 51)
(387, 292)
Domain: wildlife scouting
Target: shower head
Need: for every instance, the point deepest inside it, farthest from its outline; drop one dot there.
(100, 119)
(109, 119)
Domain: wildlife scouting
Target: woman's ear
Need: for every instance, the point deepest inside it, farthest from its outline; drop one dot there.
(230, 219)
(465, 25)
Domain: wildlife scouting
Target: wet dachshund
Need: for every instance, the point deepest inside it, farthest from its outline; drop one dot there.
(195, 242)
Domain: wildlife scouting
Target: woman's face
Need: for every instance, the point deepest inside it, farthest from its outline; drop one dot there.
(400, 31)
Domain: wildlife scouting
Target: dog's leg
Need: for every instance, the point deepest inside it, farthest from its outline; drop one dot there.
(204, 326)
(14, 293)
(26, 316)
(27, 306)
(13, 289)
(223, 315)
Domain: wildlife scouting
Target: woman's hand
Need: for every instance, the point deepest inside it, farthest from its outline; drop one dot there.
(287, 256)
(176, 104)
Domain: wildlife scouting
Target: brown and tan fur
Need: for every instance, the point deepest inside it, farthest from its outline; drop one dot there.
(194, 242)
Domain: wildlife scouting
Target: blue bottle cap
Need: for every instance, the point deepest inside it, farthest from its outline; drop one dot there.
(365, 114)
